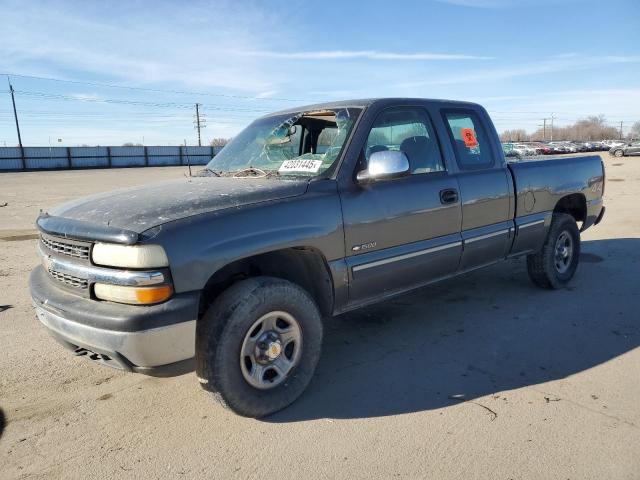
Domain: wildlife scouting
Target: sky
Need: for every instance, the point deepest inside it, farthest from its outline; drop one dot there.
(107, 73)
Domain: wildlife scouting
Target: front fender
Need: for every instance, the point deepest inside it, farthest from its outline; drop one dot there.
(199, 246)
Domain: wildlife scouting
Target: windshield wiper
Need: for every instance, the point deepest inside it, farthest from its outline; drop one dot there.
(207, 172)
(253, 172)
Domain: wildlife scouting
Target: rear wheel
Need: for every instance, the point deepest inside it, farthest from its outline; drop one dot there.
(556, 263)
(258, 345)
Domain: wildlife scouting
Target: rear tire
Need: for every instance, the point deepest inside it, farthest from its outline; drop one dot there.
(258, 345)
(555, 264)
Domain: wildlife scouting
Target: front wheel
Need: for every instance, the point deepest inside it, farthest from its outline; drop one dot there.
(556, 263)
(618, 153)
(258, 345)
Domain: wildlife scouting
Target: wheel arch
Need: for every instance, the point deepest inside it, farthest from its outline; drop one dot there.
(574, 204)
(305, 266)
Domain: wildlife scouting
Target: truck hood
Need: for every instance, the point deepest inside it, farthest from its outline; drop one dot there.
(139, 208)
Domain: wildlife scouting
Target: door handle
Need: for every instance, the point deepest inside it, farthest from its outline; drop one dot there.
(449, 195)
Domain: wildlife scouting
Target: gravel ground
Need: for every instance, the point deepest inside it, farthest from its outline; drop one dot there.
(483, 376)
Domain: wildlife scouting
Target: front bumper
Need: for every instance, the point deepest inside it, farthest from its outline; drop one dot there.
(156, 340)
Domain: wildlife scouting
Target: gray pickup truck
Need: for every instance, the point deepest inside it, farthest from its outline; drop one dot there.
(307, 213)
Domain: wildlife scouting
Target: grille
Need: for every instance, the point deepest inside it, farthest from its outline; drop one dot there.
(70, 280)
(66, 248)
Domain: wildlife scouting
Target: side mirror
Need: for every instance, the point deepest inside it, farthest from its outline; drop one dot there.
(384, 165)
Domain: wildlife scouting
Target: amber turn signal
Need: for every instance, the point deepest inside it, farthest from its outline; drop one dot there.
(153, 294)
(133, 295)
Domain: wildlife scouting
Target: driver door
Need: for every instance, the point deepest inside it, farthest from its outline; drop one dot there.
(405, 232)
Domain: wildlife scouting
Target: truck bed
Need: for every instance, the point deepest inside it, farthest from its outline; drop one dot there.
(540, 183)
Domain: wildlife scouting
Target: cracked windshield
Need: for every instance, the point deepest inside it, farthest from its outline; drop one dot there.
(305, 143)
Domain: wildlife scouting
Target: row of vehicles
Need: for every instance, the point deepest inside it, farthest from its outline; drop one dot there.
(527, 149)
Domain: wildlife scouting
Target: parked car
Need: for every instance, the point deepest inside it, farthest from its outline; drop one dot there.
(599, 146)
(233, 270)
(541, 148)
(570, 147)
(613, 143)
(509, 152)
(524, 150)
(558, 147)
(625, 150)
(580, 146)
(513, 156)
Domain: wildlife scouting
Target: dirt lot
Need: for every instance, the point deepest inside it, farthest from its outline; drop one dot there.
(550, 379)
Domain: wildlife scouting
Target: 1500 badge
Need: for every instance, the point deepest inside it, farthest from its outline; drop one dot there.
(364, 246)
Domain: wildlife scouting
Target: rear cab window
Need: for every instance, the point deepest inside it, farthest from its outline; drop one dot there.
(469, 139)
(326, 138)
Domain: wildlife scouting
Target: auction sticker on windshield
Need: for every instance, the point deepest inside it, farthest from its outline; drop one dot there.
(300, 165)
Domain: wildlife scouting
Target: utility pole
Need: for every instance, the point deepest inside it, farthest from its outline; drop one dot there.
(185, 151)
(544, 129)
(552, 118)
(15, 113)
(620, 129)
(199, 123)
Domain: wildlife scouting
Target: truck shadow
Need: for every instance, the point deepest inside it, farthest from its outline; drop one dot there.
(481, 334)
(3, 422)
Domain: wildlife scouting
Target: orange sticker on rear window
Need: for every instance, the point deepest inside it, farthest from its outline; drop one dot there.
(469, 137)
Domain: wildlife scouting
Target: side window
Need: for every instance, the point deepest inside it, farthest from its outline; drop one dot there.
(410, 131)
(470, 141)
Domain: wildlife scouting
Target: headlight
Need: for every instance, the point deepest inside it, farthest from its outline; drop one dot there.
(132, 295)
(129, 256)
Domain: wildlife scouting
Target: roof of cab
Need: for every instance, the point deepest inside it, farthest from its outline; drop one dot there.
(367, 102)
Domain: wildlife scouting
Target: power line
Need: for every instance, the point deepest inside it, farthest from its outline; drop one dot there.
(55, 96)
(153, 90)
(517, 112)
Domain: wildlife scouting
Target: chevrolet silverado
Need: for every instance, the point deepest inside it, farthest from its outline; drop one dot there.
(305, 214)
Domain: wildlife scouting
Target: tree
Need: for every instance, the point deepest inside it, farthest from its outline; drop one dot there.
(517, 135)
(593, 127)
(219, 142)
(635, 130)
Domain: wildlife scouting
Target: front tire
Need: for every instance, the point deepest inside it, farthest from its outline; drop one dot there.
(555, 264)
(258, 345)
(618, 153)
